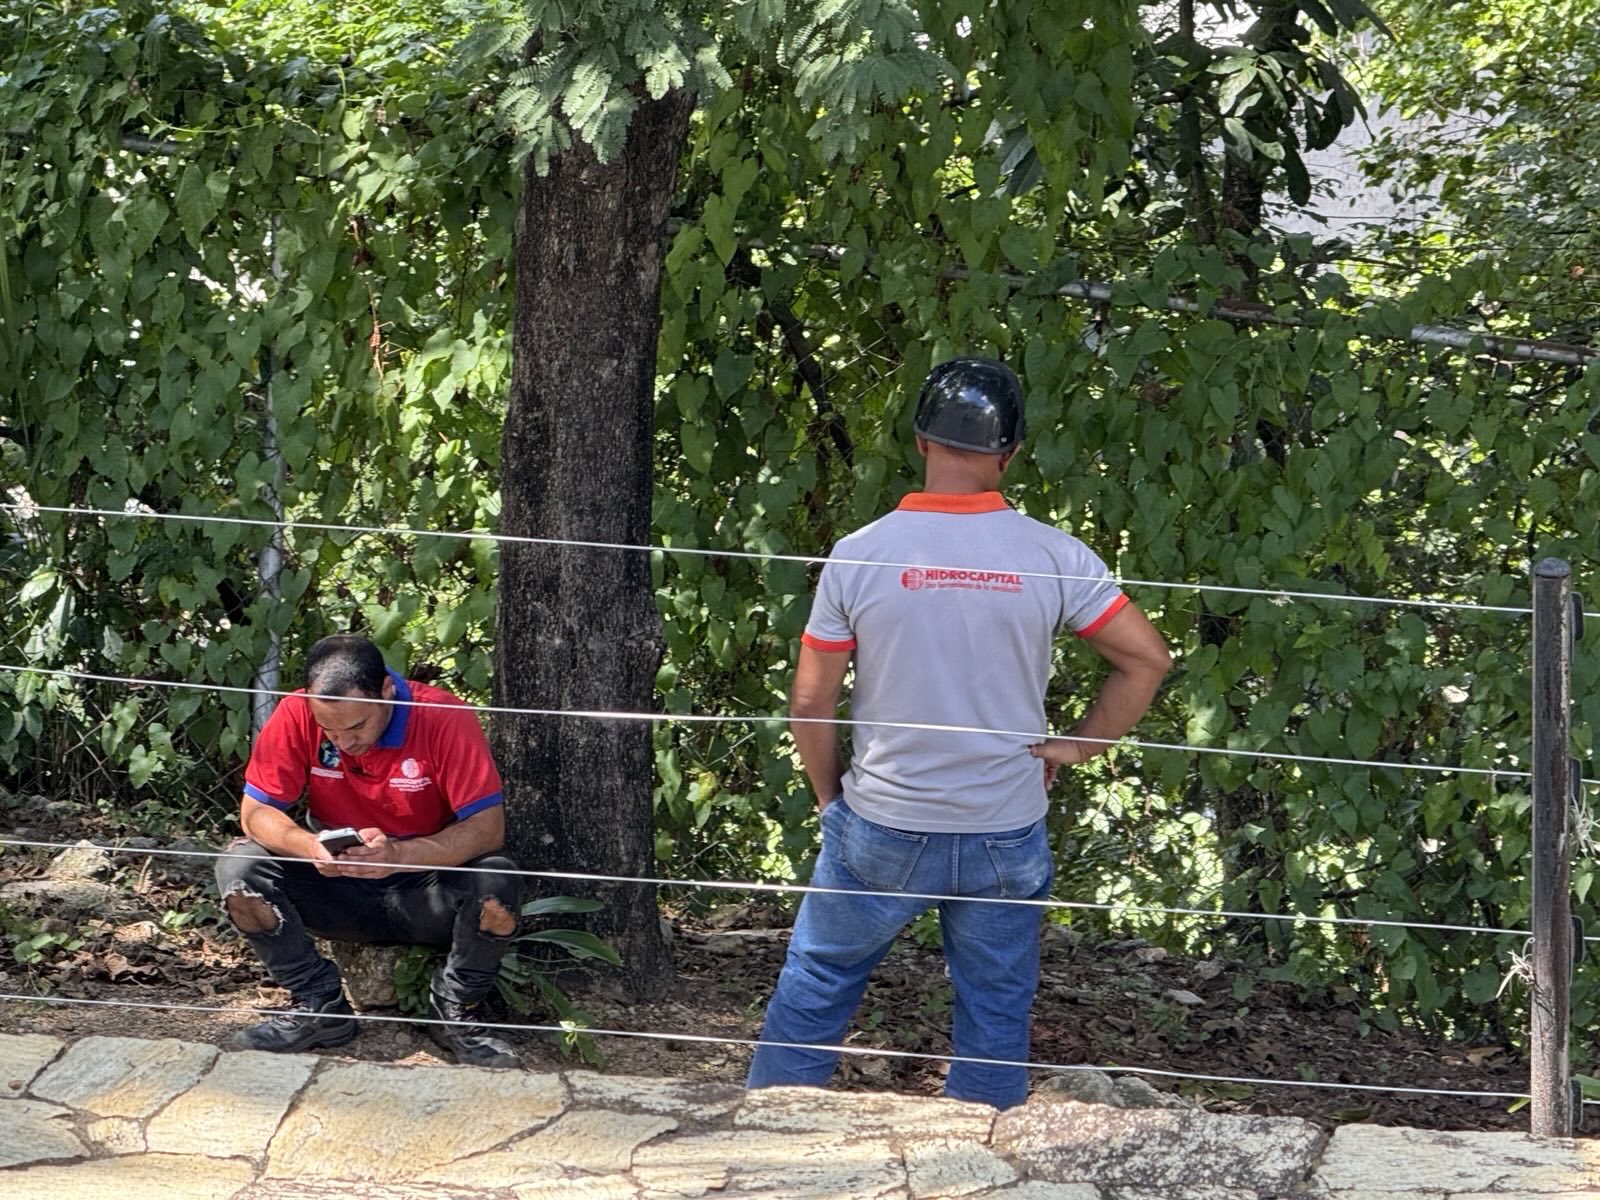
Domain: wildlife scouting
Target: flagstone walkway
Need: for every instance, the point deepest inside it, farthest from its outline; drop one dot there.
(131, 1119)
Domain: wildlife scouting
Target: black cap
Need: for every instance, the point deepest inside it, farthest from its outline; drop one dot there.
(972, 404)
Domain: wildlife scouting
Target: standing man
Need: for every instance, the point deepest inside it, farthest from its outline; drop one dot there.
(964, 641)
(419, 787)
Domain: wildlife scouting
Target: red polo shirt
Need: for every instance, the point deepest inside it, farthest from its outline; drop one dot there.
(431, 766)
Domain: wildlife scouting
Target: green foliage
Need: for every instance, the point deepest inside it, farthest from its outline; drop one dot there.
(848, 216)
(413, 976)
(202, 238)
(196, 911)
(30, 944)
(803, 306)
(1491, 136)
(578, 70)
(526, 981)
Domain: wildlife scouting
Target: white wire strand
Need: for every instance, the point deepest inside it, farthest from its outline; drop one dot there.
(668, 718)
(801, 888)
(787, 888)
(717, 1040)
(704, 552)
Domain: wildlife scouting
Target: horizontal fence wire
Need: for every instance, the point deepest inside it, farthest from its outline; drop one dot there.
(799, 888)
(707, 552)
(670, 718)
(751, 1043)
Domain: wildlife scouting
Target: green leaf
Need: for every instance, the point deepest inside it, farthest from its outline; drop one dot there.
(1362, 728)
(1234, 84)
(717, 218)
(143, 766)
(144, 214)
(560, 904)
(579, 943)
(737, 176)
(1296, 178)
(41, 583)
(730, 372)
(699, 444)
(244, 339)
(197, 205)
(1320, 14)
(1239, 140)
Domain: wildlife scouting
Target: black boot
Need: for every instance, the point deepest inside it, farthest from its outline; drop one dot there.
(464, 1039)
(310, 1026)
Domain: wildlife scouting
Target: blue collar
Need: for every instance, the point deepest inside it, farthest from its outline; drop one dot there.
(394, 733)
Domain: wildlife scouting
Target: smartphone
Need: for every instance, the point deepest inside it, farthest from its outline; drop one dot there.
(337, 841)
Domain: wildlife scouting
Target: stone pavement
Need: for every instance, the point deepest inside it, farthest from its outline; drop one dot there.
(168, 1120)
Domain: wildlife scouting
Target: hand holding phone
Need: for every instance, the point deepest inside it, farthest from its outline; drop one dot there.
(337, 841)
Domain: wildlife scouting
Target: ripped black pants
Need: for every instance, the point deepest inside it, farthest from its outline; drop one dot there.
(408, 908)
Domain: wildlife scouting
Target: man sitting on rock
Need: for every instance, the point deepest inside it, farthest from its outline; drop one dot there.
(418, 785)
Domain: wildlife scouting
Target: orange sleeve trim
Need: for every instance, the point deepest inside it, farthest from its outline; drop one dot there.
(827, 647)
(1099, 622)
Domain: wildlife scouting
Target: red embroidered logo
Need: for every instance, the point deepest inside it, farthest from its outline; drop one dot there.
(916, 579)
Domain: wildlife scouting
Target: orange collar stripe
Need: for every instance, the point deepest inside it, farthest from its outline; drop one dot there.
(963, 502)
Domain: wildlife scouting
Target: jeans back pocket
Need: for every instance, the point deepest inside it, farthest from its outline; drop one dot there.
(880, 857)
(1022, 863)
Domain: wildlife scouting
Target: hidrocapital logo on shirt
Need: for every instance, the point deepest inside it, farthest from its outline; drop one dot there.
(411, 778)
(917, 579)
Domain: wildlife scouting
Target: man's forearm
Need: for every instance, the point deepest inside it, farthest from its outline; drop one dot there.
(818, 744)
(1125, 698)
(453, 845)
(814, 703)
(277, 831)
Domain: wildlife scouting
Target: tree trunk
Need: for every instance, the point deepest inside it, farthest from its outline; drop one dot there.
(578, 628)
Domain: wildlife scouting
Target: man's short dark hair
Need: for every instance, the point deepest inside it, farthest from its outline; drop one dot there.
(344, 665)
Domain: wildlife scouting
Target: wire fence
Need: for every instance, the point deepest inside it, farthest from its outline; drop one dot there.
(750, 1043)
(91, 768)
(757, 886)
(675, 718)
(134, 684)
(1274, 593)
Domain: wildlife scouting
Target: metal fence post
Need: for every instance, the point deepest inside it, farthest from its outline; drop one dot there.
(269, 563)
(1551, 1079)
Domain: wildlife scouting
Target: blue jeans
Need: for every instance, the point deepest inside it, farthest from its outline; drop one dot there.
(992, 949)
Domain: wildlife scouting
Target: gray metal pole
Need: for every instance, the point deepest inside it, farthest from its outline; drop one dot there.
(1551, 1076)
(269, 563)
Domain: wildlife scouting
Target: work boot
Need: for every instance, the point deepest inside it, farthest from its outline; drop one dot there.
(464, 1039)
(310, 1026)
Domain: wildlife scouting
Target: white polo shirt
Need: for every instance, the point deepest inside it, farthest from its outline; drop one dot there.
(962, 636)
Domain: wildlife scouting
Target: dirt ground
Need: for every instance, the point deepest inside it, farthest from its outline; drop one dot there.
(154, 939)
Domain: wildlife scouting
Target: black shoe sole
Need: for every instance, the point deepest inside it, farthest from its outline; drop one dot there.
(322, 1041)
(339, 1037)
(462, 1057)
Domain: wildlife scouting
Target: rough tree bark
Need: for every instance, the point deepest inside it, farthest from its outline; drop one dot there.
(578, 629)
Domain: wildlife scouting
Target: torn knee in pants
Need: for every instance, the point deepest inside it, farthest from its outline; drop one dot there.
(250, 912)
(495, 919)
